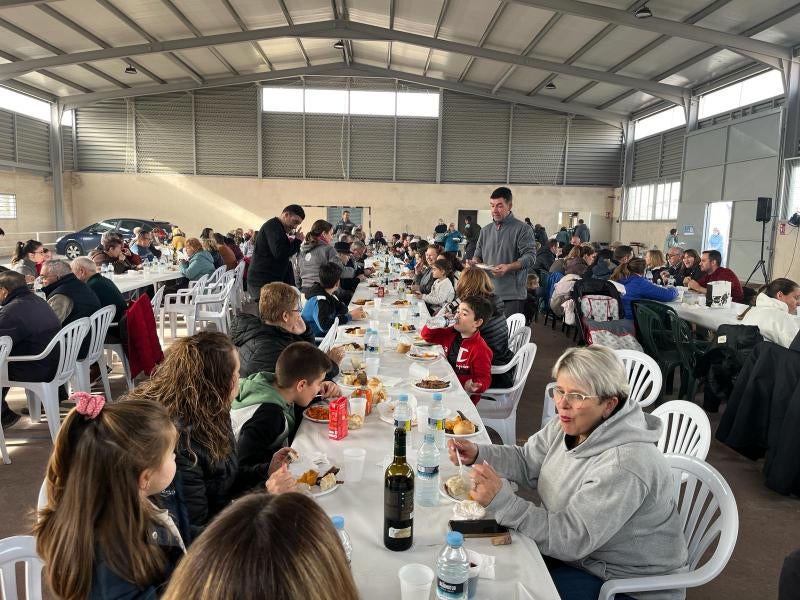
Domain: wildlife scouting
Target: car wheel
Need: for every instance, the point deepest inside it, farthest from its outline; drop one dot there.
(73, 250)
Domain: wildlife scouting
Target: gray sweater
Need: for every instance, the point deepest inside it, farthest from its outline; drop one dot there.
(311, 257)
(503, 243)
(608, 505)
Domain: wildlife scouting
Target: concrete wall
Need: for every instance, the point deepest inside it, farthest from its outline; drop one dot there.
(194, 202)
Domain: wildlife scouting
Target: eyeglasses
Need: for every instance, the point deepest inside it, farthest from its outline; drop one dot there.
(573, 398)
(40, 252)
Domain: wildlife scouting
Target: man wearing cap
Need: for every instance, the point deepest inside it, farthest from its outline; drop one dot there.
(348, 283)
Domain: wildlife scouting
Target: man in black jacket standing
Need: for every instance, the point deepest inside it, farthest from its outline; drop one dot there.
(276, 242)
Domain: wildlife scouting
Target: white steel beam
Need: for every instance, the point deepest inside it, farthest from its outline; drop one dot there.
(439, 21)
(198, 34)
(486, 33)
(12, 3)
(243, 26)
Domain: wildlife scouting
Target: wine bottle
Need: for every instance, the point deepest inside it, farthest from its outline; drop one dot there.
(398, 498)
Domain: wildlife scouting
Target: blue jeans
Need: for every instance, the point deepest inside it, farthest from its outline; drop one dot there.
(576, 584)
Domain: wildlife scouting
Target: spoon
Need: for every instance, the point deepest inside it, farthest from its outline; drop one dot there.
(464, 476)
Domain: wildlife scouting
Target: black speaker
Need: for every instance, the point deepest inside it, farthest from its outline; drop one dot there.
(764, 210)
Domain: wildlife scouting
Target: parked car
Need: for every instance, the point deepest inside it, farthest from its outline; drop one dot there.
(81, 242)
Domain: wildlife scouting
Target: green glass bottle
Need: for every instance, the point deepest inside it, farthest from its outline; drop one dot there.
(398, 498)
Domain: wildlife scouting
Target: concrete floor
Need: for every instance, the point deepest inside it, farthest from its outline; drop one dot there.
(769, 523)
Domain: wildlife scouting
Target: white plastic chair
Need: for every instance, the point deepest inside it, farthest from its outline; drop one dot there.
(214, 277)
(99, 323)
(156, 302)
(69, 341)
(237, 301)
(217, 308)
(498, 407)
(519, 339)
(686, 429)
(549, 411)
(181, 303)
(514, 322)
(644, 376)
(708, 512)
(5, 349)
(330, 337)
(20, 549)
(119, 350)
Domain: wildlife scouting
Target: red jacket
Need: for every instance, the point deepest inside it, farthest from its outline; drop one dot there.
(474, 360)
(723, 274)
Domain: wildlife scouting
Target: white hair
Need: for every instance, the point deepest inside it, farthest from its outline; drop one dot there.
(59, 267)
(596, 369)
(86, 263)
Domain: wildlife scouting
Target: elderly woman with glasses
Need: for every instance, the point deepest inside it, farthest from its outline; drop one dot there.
(607, 508)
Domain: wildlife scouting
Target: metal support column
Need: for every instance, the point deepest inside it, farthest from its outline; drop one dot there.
(510, 133)
(194, 134)
(791, 132)
(347, 175)
(259, 132)
(16, 138)
(394, 146)
(566, 150)
(693, 114)
(439, 138)
(304, 127)
(75, 164)
(57, 163)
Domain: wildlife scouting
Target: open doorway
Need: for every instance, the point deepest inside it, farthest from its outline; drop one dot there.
(716, 235)
(568, 219)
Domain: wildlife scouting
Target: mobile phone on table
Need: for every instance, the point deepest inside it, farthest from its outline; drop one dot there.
(478, 528)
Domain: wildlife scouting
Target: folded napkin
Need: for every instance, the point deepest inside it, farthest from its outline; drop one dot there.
(485, 564)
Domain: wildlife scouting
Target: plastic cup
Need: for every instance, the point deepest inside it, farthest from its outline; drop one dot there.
(422, 423)
(411, 298)
(374, 324)
(358, 406)
(373, 364)
(415, 581)
(353, 459)
(377, 302)
(403, 314)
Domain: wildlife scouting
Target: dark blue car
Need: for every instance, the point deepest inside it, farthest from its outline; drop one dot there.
(83, 241)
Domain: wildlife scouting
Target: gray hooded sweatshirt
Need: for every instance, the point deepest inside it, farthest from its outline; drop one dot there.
(607, 505)
(311, 257)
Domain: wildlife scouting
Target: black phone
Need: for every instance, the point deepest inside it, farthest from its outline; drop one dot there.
(478, 528)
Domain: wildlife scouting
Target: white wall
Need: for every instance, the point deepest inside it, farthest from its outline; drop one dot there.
(194, 202)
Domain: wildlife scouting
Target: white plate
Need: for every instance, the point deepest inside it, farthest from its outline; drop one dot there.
(386, 410)
(303, 465)
(485, 267)
(387, 382)
(464, 436)
(317, 494)
(305, 416)
(418, 358)
(343, 331)
(430, 391)
(443, 491)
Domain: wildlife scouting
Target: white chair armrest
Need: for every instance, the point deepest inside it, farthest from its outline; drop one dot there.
(498, 369)
(647, 584)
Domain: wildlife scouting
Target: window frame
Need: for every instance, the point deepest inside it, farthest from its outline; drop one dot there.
(645, 202)
(12, 199)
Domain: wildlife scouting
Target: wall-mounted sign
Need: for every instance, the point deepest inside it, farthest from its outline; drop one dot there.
(688, 230)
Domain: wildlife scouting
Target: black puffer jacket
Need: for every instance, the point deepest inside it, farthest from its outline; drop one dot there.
(260, 345)
(495, 333)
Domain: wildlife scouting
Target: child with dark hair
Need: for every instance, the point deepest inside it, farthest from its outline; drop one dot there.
(322, 307)
(466, 350)
(442, 291)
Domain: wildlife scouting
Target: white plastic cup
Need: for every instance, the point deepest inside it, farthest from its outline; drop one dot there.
(374, 324)
(358, 406)
(377, 302)
(403, 315)
(353, 459)
(373, 364)
(415, 581)
(411, 298)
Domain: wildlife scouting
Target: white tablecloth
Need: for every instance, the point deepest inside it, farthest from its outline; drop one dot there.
(374, 567)
(133, 280)
(710, 318)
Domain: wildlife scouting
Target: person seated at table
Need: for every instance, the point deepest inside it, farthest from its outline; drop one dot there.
(546, 255)
(561, 302)
(607, 508)
(143, 246)
(424, 277)
(197, 382)
(774, 312)
(210, 245)
(228, 242)
(248, 243)
(630, 275)
(112, 252)
(206, 233)
(442, 292)
(494, 330)
(464, 347)
(261, 340)
(216, 243)
(30, 323)
(710, 265)
(200, 262)
(106, 291)
(673, 268)
(602, 265)
(263, 414)
(265, 546)
(106, 524)
(691, 267)
(28, 258)
(322, 307)
(654, 261)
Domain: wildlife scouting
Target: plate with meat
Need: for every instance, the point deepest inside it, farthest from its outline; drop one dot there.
(316, 479)
(433, 384)
(317, 413)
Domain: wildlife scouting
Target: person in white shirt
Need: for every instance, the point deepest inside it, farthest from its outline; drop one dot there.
(443, 290)
(775, 312)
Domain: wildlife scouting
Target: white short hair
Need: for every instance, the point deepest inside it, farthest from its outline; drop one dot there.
(59, 266)
(597, 369)
(84, 262)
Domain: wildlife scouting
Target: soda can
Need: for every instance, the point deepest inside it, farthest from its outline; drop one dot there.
(381, 292)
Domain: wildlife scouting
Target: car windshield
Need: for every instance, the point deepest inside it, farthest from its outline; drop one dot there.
(102, 226)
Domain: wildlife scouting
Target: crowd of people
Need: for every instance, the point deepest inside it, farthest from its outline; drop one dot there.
(181, 489)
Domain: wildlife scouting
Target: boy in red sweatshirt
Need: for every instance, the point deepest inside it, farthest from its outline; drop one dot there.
(464, 347)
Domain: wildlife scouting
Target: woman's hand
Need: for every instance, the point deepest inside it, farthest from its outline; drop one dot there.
(281, 481)
(357, 313)
(486, 483)
(280, 458)
(467, 450)
(328, 389)
(336, 354)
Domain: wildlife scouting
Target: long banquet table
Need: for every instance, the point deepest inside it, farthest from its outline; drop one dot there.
(134, 280)
(374, 567)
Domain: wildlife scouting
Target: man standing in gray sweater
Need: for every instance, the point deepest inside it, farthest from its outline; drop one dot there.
(508, 245)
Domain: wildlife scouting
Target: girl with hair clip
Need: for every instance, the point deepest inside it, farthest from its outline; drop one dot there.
(102, 534)
(775, 312)
(266, 547)
(28, 258)
(197, 383)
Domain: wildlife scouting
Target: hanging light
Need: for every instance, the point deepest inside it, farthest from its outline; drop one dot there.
(550, 86)
(130, 70)
(339, 45)
(643, 13)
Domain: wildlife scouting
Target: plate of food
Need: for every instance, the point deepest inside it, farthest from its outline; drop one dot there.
(353, 331)
(362, 302)
(401, 303)
(460, 427)
(456, 488)
(317, 413)
(485, 267)
(319, 480)
(405, 327)
(423, 355)
(352, 347)
(386, 410)
(432, 384)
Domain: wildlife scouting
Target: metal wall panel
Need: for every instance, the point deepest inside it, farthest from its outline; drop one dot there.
(474, 139)
(105, 137)
(594, 155)
(225, 131)
(66, 148)
(538, 143)
(672, 153)
(282, 145)
(371, 148)
(416, 149)
(164, 134)
(7, 151)
(33, 141)
(646, 154)
(326, 146)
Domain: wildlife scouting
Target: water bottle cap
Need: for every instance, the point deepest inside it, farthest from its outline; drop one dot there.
(338, 522)
(403, 398)
(455, 539)
(437, 397)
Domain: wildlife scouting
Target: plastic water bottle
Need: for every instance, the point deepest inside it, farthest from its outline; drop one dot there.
(371, 344)
(394, 326)
(402, 418)
(439, 322)
(427, 485)
(671, 281)
(436, 417)
(338, 523)
(452, 569)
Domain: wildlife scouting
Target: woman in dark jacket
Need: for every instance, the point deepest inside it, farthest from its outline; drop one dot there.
(197, 383)
(260, 341)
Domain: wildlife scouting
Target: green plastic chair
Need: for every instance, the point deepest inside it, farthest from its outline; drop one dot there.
(656, 337)
(689, 350)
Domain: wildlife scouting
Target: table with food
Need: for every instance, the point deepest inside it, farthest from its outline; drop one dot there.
(134, 280)
(401, 397)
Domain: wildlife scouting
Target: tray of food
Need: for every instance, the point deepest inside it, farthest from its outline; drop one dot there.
(460, 427)
(405, 327)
